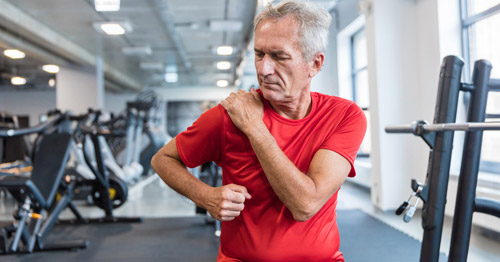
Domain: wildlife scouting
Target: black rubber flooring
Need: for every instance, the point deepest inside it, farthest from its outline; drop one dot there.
(363, 238)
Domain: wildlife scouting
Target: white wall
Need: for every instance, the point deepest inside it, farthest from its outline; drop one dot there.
(403, 64)
(27, 102)
(77, 90)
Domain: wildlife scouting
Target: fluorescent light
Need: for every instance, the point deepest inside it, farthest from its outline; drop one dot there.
(226, 25)
(53, 69)
(17, 80)
(171, 77)
(225, 50)
(106, 5)
(223, 65)
(222, 83)
(14, 53)
(113, 27)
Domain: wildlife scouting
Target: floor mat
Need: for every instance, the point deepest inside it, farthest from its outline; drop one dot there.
(363, 238)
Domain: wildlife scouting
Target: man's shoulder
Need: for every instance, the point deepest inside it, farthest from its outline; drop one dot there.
(330, 101)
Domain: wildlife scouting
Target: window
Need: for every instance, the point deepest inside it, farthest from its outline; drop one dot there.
(481, 40)
(359, 78)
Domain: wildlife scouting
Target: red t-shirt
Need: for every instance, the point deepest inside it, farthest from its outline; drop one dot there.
(266, 230)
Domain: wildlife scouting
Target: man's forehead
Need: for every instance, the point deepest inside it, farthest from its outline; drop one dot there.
(275, 34)
(287, 22)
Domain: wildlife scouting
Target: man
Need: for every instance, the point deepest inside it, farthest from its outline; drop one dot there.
(284, 151)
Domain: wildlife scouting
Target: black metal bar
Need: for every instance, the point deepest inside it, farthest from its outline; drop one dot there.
(495, 85)
(103, 177)
(487, 206)
(467, 182)
(52, 218)
(440, 158)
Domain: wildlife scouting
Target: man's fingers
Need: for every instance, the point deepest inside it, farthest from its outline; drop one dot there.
(231, 206)
(241, 189)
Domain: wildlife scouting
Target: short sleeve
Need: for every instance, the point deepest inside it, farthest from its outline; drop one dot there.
(203, 141)
(346, 138)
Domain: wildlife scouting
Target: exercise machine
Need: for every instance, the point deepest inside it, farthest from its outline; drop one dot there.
(439, 137)
(38, 207)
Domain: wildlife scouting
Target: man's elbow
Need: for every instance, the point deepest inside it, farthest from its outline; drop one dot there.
(305, 213)
(157, 160)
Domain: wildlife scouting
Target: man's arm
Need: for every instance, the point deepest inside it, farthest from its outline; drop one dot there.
(303, 194)
(223, 203)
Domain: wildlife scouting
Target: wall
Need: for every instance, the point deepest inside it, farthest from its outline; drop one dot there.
(27, 102)
(78, 89)
(326, 81)
(403, 64)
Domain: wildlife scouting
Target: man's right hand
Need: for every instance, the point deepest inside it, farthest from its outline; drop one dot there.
(225, 203)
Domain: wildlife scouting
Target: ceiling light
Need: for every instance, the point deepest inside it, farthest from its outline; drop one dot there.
(106, 5)
(223, 65)
(171, 77)
(14, 53)
(137, 50)
(226, 25)
(17, 80)
(113, 28)
(225, 50)
(222, 83)
(52, 82)
(53, 69)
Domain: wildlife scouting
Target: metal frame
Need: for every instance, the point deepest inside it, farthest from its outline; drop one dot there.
(439, 137)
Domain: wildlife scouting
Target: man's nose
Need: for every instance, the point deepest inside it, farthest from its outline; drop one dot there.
(265, 66)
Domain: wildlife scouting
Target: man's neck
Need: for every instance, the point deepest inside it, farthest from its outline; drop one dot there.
(295, 109)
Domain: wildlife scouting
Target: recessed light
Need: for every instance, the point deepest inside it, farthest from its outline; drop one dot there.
(52, 82)
(113, 27)
(14, 54)
(17, 80)
(223, 65)
(222, 83)
(225, 50)
(171, 77)
(53, 69)
(107, 5)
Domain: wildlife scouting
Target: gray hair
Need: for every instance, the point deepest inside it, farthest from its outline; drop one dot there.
(313, 22)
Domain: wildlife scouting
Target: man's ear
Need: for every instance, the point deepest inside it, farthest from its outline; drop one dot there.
(317, 63)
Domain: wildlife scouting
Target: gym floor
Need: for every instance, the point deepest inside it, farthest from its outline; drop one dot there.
(152, 199)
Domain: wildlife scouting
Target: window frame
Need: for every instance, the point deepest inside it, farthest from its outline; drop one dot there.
(466, 22)
(354, 72)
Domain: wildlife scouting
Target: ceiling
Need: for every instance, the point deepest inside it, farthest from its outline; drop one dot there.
(181, 36)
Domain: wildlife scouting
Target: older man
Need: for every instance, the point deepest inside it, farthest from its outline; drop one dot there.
(284, 150)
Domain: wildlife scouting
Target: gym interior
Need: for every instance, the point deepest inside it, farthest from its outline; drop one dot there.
(84, 109)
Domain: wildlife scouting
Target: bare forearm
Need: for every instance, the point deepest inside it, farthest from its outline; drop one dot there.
(224, 202)
(176, 176)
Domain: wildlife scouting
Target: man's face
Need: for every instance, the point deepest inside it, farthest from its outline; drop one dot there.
(282, 73)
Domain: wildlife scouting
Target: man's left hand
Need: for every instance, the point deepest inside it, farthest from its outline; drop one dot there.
(245, 109)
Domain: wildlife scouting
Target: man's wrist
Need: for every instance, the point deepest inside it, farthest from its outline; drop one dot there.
(257, 132)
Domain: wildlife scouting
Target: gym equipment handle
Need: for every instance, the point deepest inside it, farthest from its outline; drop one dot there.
(30, 130)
